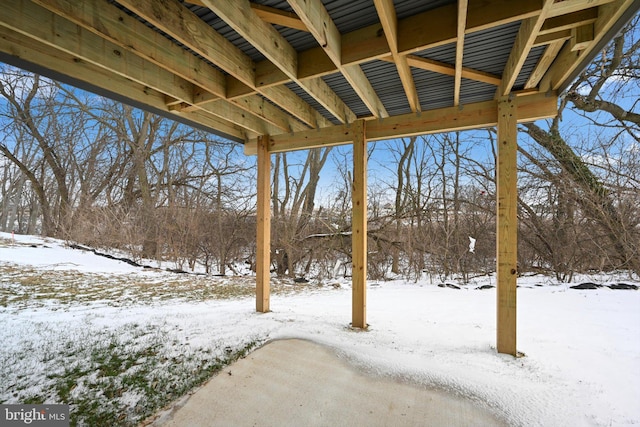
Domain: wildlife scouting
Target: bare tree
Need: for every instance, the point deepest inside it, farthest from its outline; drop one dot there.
(293, 202)
(596, 90)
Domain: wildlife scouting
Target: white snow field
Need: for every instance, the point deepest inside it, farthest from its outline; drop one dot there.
(63, 310)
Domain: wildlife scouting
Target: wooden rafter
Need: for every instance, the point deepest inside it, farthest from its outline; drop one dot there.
(25, 17)
(174, 19)
(544, 63)
(387, 13)
(317, 20)
(135, 38)
(365, 45)
(247, 98)
(549, 38)
(569, 6)
(28, 49)
(272, 15)
(239, 16)
(461, 26)
(449, 70)
(570, 21)
(525, 39)
(567, 61)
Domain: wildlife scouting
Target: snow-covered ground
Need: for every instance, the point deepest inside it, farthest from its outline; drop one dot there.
(582, 347)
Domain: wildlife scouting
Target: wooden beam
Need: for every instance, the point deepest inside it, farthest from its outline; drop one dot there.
(176, 20)
(359, 227)
(365, 44)
(582, 37)
(259, 107)
(242, 18)
(272, 15)
(57, 61)
(461, 27)
(363, 88)
(326, 97)
(263, 237)
(569, 6)
(414, 36)
(549, 38)
(387, 13)
(521, 47)
(27, 18)
(507, 226)
(295, 105)
(239, 16)
(324, 30)
(449, 70)
(471, 116)
(544, 63)
(239, 116)
(115, 25)
(570, 21)
(568, 62)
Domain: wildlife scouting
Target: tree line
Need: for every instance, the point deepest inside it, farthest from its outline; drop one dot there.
(91, 170)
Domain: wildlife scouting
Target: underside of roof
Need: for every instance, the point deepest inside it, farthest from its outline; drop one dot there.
(301, 71)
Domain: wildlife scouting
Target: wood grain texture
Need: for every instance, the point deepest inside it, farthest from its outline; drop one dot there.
(359, 227)
(507, 226)
(263, 234)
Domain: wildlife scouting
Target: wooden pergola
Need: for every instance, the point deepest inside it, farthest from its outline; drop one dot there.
(280, 75)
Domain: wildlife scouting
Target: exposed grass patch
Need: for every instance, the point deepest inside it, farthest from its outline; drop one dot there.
(115, 378)
(23, 287)
(59, 347)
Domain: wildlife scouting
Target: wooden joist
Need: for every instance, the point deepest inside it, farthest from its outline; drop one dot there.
(389, 21)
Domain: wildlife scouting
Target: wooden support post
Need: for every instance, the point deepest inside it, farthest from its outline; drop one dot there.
(263, 238)
(507, 226)
(359, 227)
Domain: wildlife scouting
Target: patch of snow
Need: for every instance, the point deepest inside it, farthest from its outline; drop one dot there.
(582, 363)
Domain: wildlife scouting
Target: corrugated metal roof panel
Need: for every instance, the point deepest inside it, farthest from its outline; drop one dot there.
(445, 53)
(406, 8)
(474, 91)
(349, 16)
(489, 50)
(128, 12)
(343, 89)
(300, 40)
(386, 82)
(229, 33)
(435, 90)
(311, 101)
(528, 67)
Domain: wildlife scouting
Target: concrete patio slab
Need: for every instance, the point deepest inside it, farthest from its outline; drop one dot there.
(300, 383)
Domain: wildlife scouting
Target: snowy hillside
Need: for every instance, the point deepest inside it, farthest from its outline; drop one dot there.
(118, 341)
